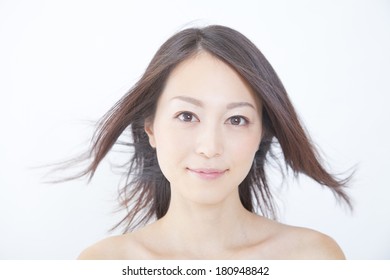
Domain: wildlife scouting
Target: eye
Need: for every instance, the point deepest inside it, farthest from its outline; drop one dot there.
(238, 120)
(187, 117)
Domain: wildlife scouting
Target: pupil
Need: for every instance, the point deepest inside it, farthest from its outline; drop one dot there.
(187, 117)
(235, 120)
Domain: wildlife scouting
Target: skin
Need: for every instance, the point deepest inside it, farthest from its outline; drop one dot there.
(206, 131)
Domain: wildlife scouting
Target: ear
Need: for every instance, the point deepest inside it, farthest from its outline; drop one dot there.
(149, 131)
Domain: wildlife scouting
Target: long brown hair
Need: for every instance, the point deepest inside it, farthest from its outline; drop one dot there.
(146, 192)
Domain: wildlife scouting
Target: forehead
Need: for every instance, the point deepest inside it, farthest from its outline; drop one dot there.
(203, 76)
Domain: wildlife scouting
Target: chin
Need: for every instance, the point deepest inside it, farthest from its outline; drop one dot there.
(211, 195)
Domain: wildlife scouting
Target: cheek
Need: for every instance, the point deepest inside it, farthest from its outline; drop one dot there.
(172, 147)
(243, 149)
(170, 140)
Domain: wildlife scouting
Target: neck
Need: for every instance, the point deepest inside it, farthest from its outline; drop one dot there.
(204, 231)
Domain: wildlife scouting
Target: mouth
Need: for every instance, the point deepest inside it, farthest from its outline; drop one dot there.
(207, 173)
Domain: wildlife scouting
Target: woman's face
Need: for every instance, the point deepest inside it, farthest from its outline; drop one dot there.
(206, 130)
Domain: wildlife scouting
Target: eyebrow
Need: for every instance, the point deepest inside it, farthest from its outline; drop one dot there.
(199, 103)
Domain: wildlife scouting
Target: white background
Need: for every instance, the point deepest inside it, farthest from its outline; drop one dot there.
(65, 63)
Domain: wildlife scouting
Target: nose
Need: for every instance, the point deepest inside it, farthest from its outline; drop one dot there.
(209, 142)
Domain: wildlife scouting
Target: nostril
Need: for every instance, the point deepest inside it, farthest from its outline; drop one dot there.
(209, 151)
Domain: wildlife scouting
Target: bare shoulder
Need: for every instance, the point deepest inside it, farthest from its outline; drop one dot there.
(320, 246)
(112, 248)
(283, 241)
(303, 243)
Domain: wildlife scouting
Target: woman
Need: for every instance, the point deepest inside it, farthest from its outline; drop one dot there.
(203, 119)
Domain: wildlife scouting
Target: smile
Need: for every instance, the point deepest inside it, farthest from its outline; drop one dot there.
(206, 173)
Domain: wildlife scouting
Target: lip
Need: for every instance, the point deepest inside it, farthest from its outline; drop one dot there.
(207, 173)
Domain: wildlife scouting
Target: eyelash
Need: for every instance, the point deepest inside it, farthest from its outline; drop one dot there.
(181, 115)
